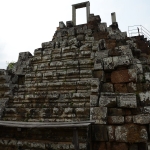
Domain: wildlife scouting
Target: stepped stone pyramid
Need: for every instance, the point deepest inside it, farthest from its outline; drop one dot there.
(87, 89)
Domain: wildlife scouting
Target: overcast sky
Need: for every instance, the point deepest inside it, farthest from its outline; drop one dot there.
(25, 24)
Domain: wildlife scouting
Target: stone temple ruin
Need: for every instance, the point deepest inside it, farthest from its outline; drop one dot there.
(87, 89)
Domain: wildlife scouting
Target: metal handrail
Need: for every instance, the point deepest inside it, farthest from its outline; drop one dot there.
(141, 30)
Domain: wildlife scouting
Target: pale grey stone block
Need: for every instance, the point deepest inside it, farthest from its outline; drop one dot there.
(101, 54)
(127, 101)
(93, 100)
(103, 26)
(141, 119)
(145, 98)
(121, 133)
(108, 63)
(107, 101)
(99, 114)
(116, 119)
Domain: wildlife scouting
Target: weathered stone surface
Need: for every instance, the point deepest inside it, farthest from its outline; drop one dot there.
(122, 61)
(131, 87)
(107, 101)
(147, 76)
(137, 65)
(144, 98)
(111, 133)
(141, 119)
(102, 26)
(98, 114)
(127, 101)
(125, 50)
(115, 112)
(122, 76)
(98, 65)
(107, 87)
(89, 38)
(93, 100)
(128, 119)
(115, 120)
(130, 133)
(98, 74)
(122, 88)
(101, 54)
(95, 84)
(108, 63)
(146, 110)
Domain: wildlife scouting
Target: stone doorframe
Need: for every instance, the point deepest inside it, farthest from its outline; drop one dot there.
(80, 5)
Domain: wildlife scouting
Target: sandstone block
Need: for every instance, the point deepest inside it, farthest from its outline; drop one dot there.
(141, 119)
(131, 87)
(95, 84)
(144, 98)
(146, 110)
(103, 26)
(137, 65)
(38, 52)
(115, 112)
(98, 65)
(98, 74)
(101, 54)
(73, 42)
(122, 76)
(98, 114)
(93, 100)
(127, 101)
(86, 47)
(89, 38)
(121, 88)
(107, 87)
(122, 61)
(125, 50)
(108, 63)
(131, 133)
(111, 133)
(107, 101)
(115, 120)
(128, 119)
(147, 76)
(68, 110)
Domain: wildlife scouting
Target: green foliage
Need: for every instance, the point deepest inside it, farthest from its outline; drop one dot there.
(10, 65)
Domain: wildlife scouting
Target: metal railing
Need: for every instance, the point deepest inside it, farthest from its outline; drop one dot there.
(139, 30)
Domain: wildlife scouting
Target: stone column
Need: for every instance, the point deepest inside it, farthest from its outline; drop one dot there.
(80, 5)
(74, 15)
(113, 17)
(87, 10)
